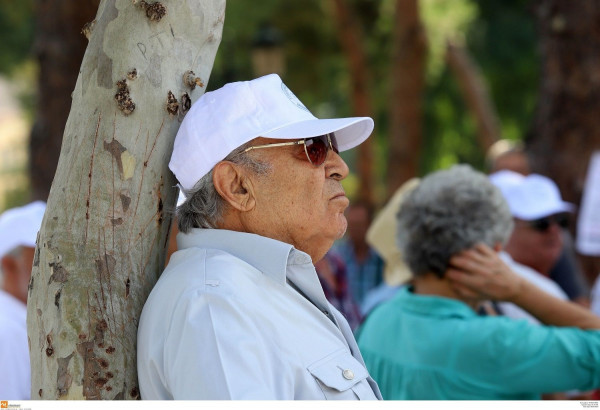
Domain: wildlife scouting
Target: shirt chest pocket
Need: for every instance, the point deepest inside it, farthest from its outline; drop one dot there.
(341, 377)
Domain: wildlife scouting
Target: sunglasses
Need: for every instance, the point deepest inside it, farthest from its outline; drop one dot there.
(315, 148)
(543, 224)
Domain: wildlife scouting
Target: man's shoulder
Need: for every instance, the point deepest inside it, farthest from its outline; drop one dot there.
(533, 276)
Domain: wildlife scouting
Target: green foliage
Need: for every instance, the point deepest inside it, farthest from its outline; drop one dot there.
(499, 34)
(16, 32)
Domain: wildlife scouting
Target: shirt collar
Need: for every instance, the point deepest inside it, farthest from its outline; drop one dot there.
(269, 256)
(434, 305)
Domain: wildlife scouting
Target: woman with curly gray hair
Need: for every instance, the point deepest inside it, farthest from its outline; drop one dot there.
(429, 343)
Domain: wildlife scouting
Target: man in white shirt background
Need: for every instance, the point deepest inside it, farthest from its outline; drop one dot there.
(536, 243)
(239, 312)
(18, 233)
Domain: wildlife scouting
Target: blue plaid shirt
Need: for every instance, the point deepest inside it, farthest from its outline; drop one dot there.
(362, 277)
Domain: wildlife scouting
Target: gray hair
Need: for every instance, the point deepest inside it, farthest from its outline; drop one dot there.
(203, 206)
(448, 212)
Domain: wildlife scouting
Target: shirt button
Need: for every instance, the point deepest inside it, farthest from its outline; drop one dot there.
(348, 374)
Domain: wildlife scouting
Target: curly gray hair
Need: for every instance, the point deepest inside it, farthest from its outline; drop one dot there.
(203, 206)
(448, 212)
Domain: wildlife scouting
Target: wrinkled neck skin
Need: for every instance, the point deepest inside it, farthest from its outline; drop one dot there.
(432, 285)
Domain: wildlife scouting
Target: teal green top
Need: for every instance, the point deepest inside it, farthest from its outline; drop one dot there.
(428, 347)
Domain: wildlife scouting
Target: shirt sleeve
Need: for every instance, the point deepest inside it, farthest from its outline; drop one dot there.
(529, 358)
(220, 351)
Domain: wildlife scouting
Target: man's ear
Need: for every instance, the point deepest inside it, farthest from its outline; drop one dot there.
(232, 183)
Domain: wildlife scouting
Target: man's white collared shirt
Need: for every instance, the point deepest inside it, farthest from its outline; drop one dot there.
(544, 283)
(240, 316)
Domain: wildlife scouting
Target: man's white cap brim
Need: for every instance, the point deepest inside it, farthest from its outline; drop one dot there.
(349, 132)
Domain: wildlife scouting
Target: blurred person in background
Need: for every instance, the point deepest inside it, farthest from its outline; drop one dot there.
(364, 266)
(509, 155)
(536, 242)
(381, 236)
(18, 233)
(428, 341)
(334, 281)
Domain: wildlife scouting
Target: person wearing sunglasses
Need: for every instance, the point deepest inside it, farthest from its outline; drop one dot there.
(239, 313)
(536, 242)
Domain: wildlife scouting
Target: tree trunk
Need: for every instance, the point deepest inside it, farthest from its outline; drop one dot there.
(475, 94)
(351, 39)
(59, 47)
(102, 243)
(566, 127)
(406, 99)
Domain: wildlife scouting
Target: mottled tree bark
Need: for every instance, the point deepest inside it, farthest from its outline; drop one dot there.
(566, 126)
(351, 38)
(102, 243)
(406, 97)
(59, 47)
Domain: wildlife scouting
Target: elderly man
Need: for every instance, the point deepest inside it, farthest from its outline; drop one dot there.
(535, 243)
(239, 312)
(18, 233)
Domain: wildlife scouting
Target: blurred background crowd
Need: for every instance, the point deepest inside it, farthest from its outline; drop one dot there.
(499, 85)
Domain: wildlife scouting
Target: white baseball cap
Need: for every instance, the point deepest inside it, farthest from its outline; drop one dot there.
(224, 119)
(530, 197)
(20, 226)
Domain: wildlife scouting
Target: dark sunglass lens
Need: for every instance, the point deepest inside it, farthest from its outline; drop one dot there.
(540, 224)
(316, 150)
(562, 220)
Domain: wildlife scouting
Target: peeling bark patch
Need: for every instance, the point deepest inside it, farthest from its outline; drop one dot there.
(88, 28)
(59, 274)
(154, 11)
(160, 211)
(117, 150)
(125, 201)
(127, 286)
(132, 74)
(30, 286)
(49, 349)
(117, 221)
(36, 257)
(100, 382)
(90, 370)
(63, 377)
(172, 104)
(110, 350)
(57, 299)
(103, 363)
(134, 393)
(123, 98)
(191, 81)
(186, 103)
(40, 392)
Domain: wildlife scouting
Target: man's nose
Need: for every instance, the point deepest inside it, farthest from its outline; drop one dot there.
(335, 166)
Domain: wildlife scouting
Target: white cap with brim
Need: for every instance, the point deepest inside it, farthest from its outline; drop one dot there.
(224, 119)
(530, 197)
(20, 226)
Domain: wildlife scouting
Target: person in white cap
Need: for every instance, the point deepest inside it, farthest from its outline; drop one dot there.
(18, 233)
(239, 312)
(535, 244)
